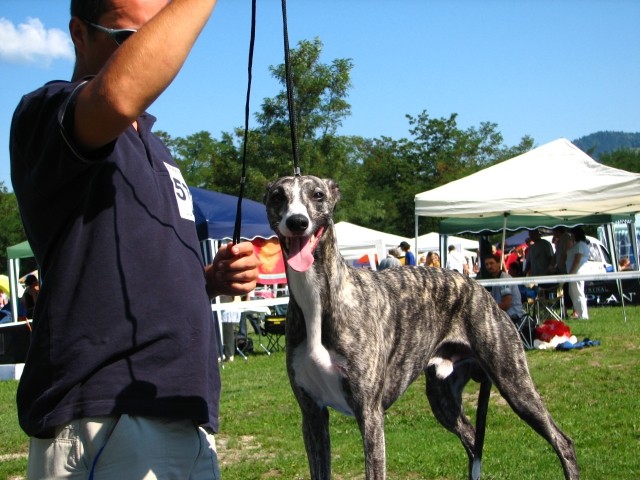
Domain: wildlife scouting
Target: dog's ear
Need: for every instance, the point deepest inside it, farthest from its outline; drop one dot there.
(266, 193)
(333, 187)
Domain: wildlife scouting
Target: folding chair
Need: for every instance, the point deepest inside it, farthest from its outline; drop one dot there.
(527, 324)
(549, 302)
(256, 323)
(273, 328)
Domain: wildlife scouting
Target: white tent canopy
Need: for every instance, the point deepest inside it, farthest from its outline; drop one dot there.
(554, 184)
(355, 241)
(554, 180)
(431, 242)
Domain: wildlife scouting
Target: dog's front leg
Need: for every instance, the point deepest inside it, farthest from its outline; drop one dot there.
(315, 431)
(371, 423)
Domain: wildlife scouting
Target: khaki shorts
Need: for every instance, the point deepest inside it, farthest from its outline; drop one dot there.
(125, 448)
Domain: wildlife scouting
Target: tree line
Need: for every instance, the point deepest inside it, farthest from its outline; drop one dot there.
(378, 177)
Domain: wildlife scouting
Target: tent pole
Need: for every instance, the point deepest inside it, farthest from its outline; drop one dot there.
(614, 260)
(444, 253)
(415, 236)
(504, 239)
(14, 268)
(624, 309)
(634, 246)
(611, 241)
(634, 241)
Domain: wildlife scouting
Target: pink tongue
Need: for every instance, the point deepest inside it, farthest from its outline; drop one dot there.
(300, 254)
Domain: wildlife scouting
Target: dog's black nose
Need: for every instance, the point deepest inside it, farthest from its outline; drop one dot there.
(297, 223)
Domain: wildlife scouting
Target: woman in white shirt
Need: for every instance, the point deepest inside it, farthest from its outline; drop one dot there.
(577, 257)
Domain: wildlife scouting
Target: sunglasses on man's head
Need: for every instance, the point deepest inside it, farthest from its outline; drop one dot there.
(119, 35)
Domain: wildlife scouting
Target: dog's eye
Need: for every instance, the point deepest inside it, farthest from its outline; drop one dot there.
(318, 196)
(276, 197)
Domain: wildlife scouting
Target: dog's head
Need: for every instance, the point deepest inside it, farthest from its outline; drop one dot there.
(300, 209)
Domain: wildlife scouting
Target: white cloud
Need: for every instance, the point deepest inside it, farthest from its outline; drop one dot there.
(30, 42)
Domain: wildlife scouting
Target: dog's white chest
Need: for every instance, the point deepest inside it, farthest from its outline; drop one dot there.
(320, 373)
(317, 370)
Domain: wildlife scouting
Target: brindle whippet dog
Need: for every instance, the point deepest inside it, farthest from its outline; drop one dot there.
(356, 339)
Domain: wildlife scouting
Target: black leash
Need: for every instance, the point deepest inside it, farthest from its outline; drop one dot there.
(243, 178)
(290, 104)
(290, 99)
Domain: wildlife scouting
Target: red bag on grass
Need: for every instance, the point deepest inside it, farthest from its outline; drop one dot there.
(551, 328)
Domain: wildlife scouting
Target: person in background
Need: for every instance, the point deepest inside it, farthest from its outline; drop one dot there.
(5, 309)
(507, 297)
(577, 258)
(4, 299)
(391, 260)
(624, 264)
(121, 379)
(409, 257)
(514, 262)
(455, 261)
(30, 295)
(562, 241)
(433, 259)
(484, 251)
(540, 256)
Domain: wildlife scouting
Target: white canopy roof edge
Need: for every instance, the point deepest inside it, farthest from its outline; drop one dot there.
(556, 179)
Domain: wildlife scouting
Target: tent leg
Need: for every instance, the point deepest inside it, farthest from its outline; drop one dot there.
(14, 269)
(218, 332)
(415, 247)
(624, 309)
(634, 243)
(504, 239)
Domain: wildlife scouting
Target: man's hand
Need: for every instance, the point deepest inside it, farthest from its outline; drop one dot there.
(234, 270)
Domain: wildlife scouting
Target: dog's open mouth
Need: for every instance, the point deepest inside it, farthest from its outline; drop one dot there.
(299, 250)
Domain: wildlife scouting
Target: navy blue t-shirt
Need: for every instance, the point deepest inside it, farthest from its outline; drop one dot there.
(123, 324)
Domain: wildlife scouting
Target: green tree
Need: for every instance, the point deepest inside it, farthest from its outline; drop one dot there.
(437, 153)
(12, 231)
(625, 159)
(320, 106)
(205, 162)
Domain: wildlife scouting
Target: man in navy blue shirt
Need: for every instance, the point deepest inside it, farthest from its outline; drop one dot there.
(121, 379)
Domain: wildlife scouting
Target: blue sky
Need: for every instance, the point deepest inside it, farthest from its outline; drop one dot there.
(543, 68)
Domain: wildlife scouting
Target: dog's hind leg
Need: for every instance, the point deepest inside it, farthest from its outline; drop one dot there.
(315, 432)
(445, 398)
(475, 466)
(517, 388)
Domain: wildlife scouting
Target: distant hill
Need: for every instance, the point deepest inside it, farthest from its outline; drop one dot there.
(598, 143)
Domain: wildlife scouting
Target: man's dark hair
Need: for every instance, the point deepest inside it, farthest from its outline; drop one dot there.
(90, 10)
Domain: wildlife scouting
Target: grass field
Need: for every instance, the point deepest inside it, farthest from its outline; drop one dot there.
(592, 393)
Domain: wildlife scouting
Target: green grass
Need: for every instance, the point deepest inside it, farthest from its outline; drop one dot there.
(593, 394)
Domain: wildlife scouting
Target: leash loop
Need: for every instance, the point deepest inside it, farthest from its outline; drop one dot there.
(290, 98)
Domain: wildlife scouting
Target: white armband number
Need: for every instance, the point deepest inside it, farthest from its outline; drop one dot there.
(181, 190)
